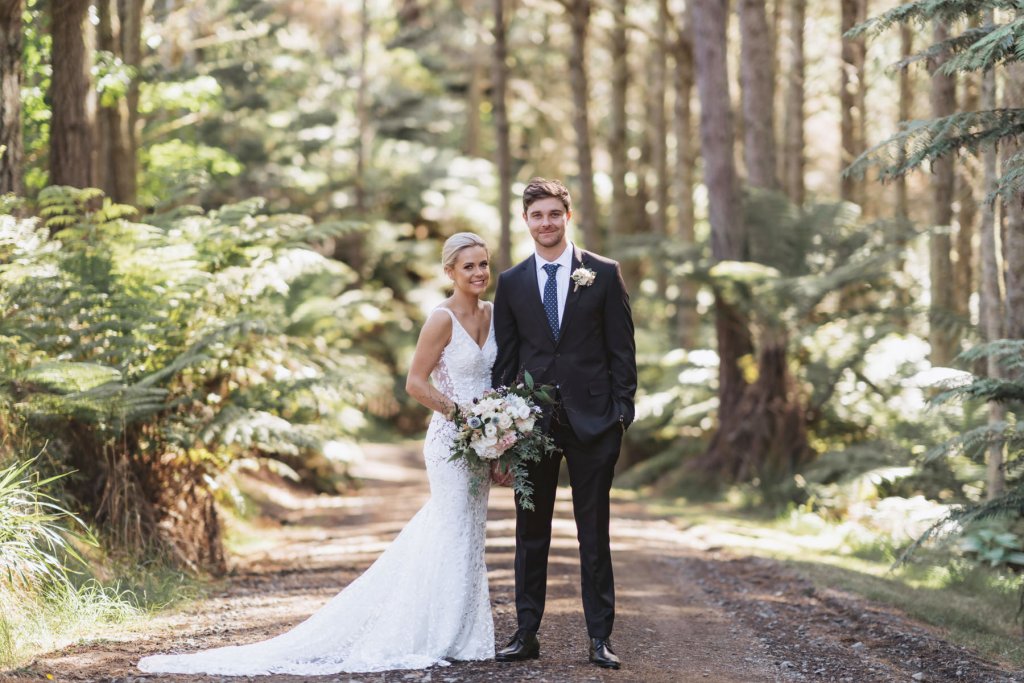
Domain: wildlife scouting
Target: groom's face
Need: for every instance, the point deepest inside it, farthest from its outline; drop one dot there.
(547, 219)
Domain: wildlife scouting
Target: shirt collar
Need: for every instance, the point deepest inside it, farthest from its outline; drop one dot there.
(564, 259)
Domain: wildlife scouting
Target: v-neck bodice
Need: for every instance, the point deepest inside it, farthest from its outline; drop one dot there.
(464, 370)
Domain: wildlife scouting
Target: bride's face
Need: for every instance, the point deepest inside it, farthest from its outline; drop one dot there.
(471, 272)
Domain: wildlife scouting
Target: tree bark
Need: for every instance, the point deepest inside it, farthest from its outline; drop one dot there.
(11, 147)
(851, 75)
(71, 129)
(793, 157)
(618, 144)
(499, 75)
(685, 161)
(991, 303)
(130, 12)
(115, 168)
(906, 106)
(1013, 247)
(728, 233)
(579, 15)
(967, 171)
(761, 426)
(942, 335)
(362, 111)
(757, 81)
(659, 126)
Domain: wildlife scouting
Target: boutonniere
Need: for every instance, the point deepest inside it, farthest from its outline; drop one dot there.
(583, 277)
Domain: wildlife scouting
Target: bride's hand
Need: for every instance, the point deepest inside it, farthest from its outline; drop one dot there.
(499, 475)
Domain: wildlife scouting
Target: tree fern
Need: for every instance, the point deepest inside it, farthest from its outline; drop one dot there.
(131, 345)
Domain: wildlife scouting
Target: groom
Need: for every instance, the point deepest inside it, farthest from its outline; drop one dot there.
(563, 316)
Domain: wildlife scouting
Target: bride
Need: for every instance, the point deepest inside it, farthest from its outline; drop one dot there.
(424, 602)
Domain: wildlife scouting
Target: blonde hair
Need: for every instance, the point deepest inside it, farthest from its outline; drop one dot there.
(456, 243)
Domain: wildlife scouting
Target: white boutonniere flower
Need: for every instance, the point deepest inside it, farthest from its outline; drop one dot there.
(583, 277)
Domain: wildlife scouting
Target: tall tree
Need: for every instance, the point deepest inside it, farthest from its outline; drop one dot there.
(851, 77)
(1013, 246)
(793, 151)
(728, 231)
(967, 213)
(11, 148)
(757, 80)
(131, 14)
(991, 300)
(579, 18)
(362, 110)
(618, 141)
(71, 138)
(499, 76)
(685, 161)
(906, 105)
(656, 95)
(115, 165)
(941, 333)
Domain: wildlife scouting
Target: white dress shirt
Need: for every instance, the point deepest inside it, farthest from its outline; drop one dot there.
(561, 277)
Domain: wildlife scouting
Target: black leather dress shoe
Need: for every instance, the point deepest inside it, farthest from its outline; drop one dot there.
(602, 655)
(524, 645)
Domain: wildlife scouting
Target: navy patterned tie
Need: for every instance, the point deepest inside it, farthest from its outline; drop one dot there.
(551, 297)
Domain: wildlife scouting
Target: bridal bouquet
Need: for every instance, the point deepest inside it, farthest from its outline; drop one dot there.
(500, 430)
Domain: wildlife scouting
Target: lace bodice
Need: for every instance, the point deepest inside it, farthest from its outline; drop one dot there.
(464, 371)
(425, 600)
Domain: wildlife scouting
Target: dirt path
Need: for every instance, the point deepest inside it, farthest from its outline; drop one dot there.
(684, 613)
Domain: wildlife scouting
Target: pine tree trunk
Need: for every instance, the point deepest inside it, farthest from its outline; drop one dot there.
(758, 84)
(940, 313)
(991, 303)
(618, 140)
(685, 161)
(474, 96)
(71, 129)
(964, 266)
(793, 158)
(851, 74)
(906, 105)
(130, 12)
(1013, 246)
(728, 234)
(114, 173)
(659, 122)
(659, 137)
(362, 112)
(587, 215)
(499, 76)
(11, 148)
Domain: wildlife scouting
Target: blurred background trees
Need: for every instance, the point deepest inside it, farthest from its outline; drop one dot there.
(273, 180)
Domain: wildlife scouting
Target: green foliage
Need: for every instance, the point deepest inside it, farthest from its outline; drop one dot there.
(820, 282)
(993, 546)
(973, 49)
(35, 552)
(148, 356)
(974, 441)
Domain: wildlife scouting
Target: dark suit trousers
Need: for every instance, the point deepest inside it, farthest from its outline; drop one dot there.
(591, 467)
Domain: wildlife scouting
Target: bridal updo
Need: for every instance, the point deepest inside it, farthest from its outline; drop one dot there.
(456, 243)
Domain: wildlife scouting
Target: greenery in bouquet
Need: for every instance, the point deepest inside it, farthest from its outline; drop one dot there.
(500, 430)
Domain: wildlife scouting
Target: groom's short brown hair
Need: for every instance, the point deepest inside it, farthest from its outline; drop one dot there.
(541, 188)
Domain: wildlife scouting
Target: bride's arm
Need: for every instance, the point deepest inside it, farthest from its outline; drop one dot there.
(434, 336)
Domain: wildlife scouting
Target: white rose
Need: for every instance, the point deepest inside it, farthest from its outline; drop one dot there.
(504, 420)
(490, 431)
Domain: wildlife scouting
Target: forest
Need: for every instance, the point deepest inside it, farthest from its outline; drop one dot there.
(220, 232)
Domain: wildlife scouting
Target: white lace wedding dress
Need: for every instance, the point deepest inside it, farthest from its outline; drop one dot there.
(424, 601)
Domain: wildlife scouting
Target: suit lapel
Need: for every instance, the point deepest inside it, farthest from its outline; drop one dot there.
(528, 282)
(574, 292)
